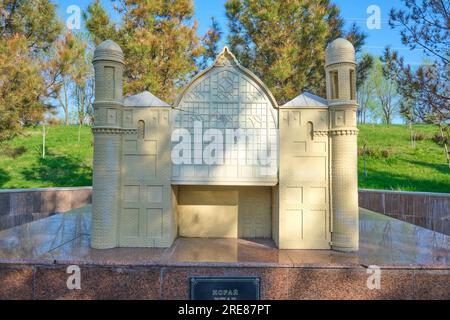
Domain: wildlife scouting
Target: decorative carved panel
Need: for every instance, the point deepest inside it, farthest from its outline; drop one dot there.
(225, 99)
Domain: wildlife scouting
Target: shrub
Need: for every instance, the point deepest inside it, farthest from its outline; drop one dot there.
(55, 122)
(440, 140)
(366, 151)
(419, 137)
(14, 152)
(385, 153)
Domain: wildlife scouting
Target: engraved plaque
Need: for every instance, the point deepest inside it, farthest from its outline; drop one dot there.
(225, 288)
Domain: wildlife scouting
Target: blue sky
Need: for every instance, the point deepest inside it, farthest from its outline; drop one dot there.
(351, 10)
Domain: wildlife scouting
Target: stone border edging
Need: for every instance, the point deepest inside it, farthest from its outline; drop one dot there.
(430, 194)
(20, 206)
(44, 189)
(430, 210)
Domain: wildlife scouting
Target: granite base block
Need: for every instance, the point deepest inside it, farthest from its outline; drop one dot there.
(432, 284)
(98, 283)
(173, 283)
(349, 284)
(16, 282)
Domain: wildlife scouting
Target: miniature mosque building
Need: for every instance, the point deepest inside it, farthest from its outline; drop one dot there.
(225, 160)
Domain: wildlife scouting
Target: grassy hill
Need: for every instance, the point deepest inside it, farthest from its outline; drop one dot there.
(66, 163)
(394, 164)
(391, 162)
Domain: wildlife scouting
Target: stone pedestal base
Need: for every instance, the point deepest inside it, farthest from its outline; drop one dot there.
(36, 266)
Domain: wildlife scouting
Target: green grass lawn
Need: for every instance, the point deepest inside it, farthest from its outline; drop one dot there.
(402, 167)
(66, 163)
(392, 164)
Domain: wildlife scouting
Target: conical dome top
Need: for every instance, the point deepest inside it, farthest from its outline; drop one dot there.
(340, 50)
(108, 50)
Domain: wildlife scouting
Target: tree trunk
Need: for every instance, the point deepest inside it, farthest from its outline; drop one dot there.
(365, 163)
(79, 132)
(43, 141)
(444, 140)
(66, 107)
(412, 135)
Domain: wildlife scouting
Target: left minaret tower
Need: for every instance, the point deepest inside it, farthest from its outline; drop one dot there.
(108, 106)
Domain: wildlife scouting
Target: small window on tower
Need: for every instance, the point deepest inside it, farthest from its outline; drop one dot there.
(334, 78)
(110, 85)
(352, 85)
(310, 130)
(141, 129)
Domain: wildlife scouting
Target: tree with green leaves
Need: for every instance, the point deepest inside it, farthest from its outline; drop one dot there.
(426, 26)
(210, 41)
(21, 86)
(159, 40)
(366, 91)
(35, 20)
(284, 42)
(34, 59)
(28, 30)
(385, 91)
(70, 55)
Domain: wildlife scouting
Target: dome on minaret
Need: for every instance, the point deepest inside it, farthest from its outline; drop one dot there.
(338, 51)
(108, 50)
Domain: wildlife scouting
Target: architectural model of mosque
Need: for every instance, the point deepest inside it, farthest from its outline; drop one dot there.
(225, 160)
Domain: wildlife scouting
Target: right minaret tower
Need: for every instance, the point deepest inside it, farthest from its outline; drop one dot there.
(340, 70)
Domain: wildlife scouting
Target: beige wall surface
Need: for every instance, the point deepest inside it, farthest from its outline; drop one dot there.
(147, 216)
(304, 219)
(255, 212)
(205, 211)
(229, 212)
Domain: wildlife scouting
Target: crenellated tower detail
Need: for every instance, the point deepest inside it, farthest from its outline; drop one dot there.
(108, 108)
(340, 70)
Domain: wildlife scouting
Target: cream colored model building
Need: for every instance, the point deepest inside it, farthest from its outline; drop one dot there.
(225, 160)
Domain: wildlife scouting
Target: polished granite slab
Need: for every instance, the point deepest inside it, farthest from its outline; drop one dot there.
(384, 241)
